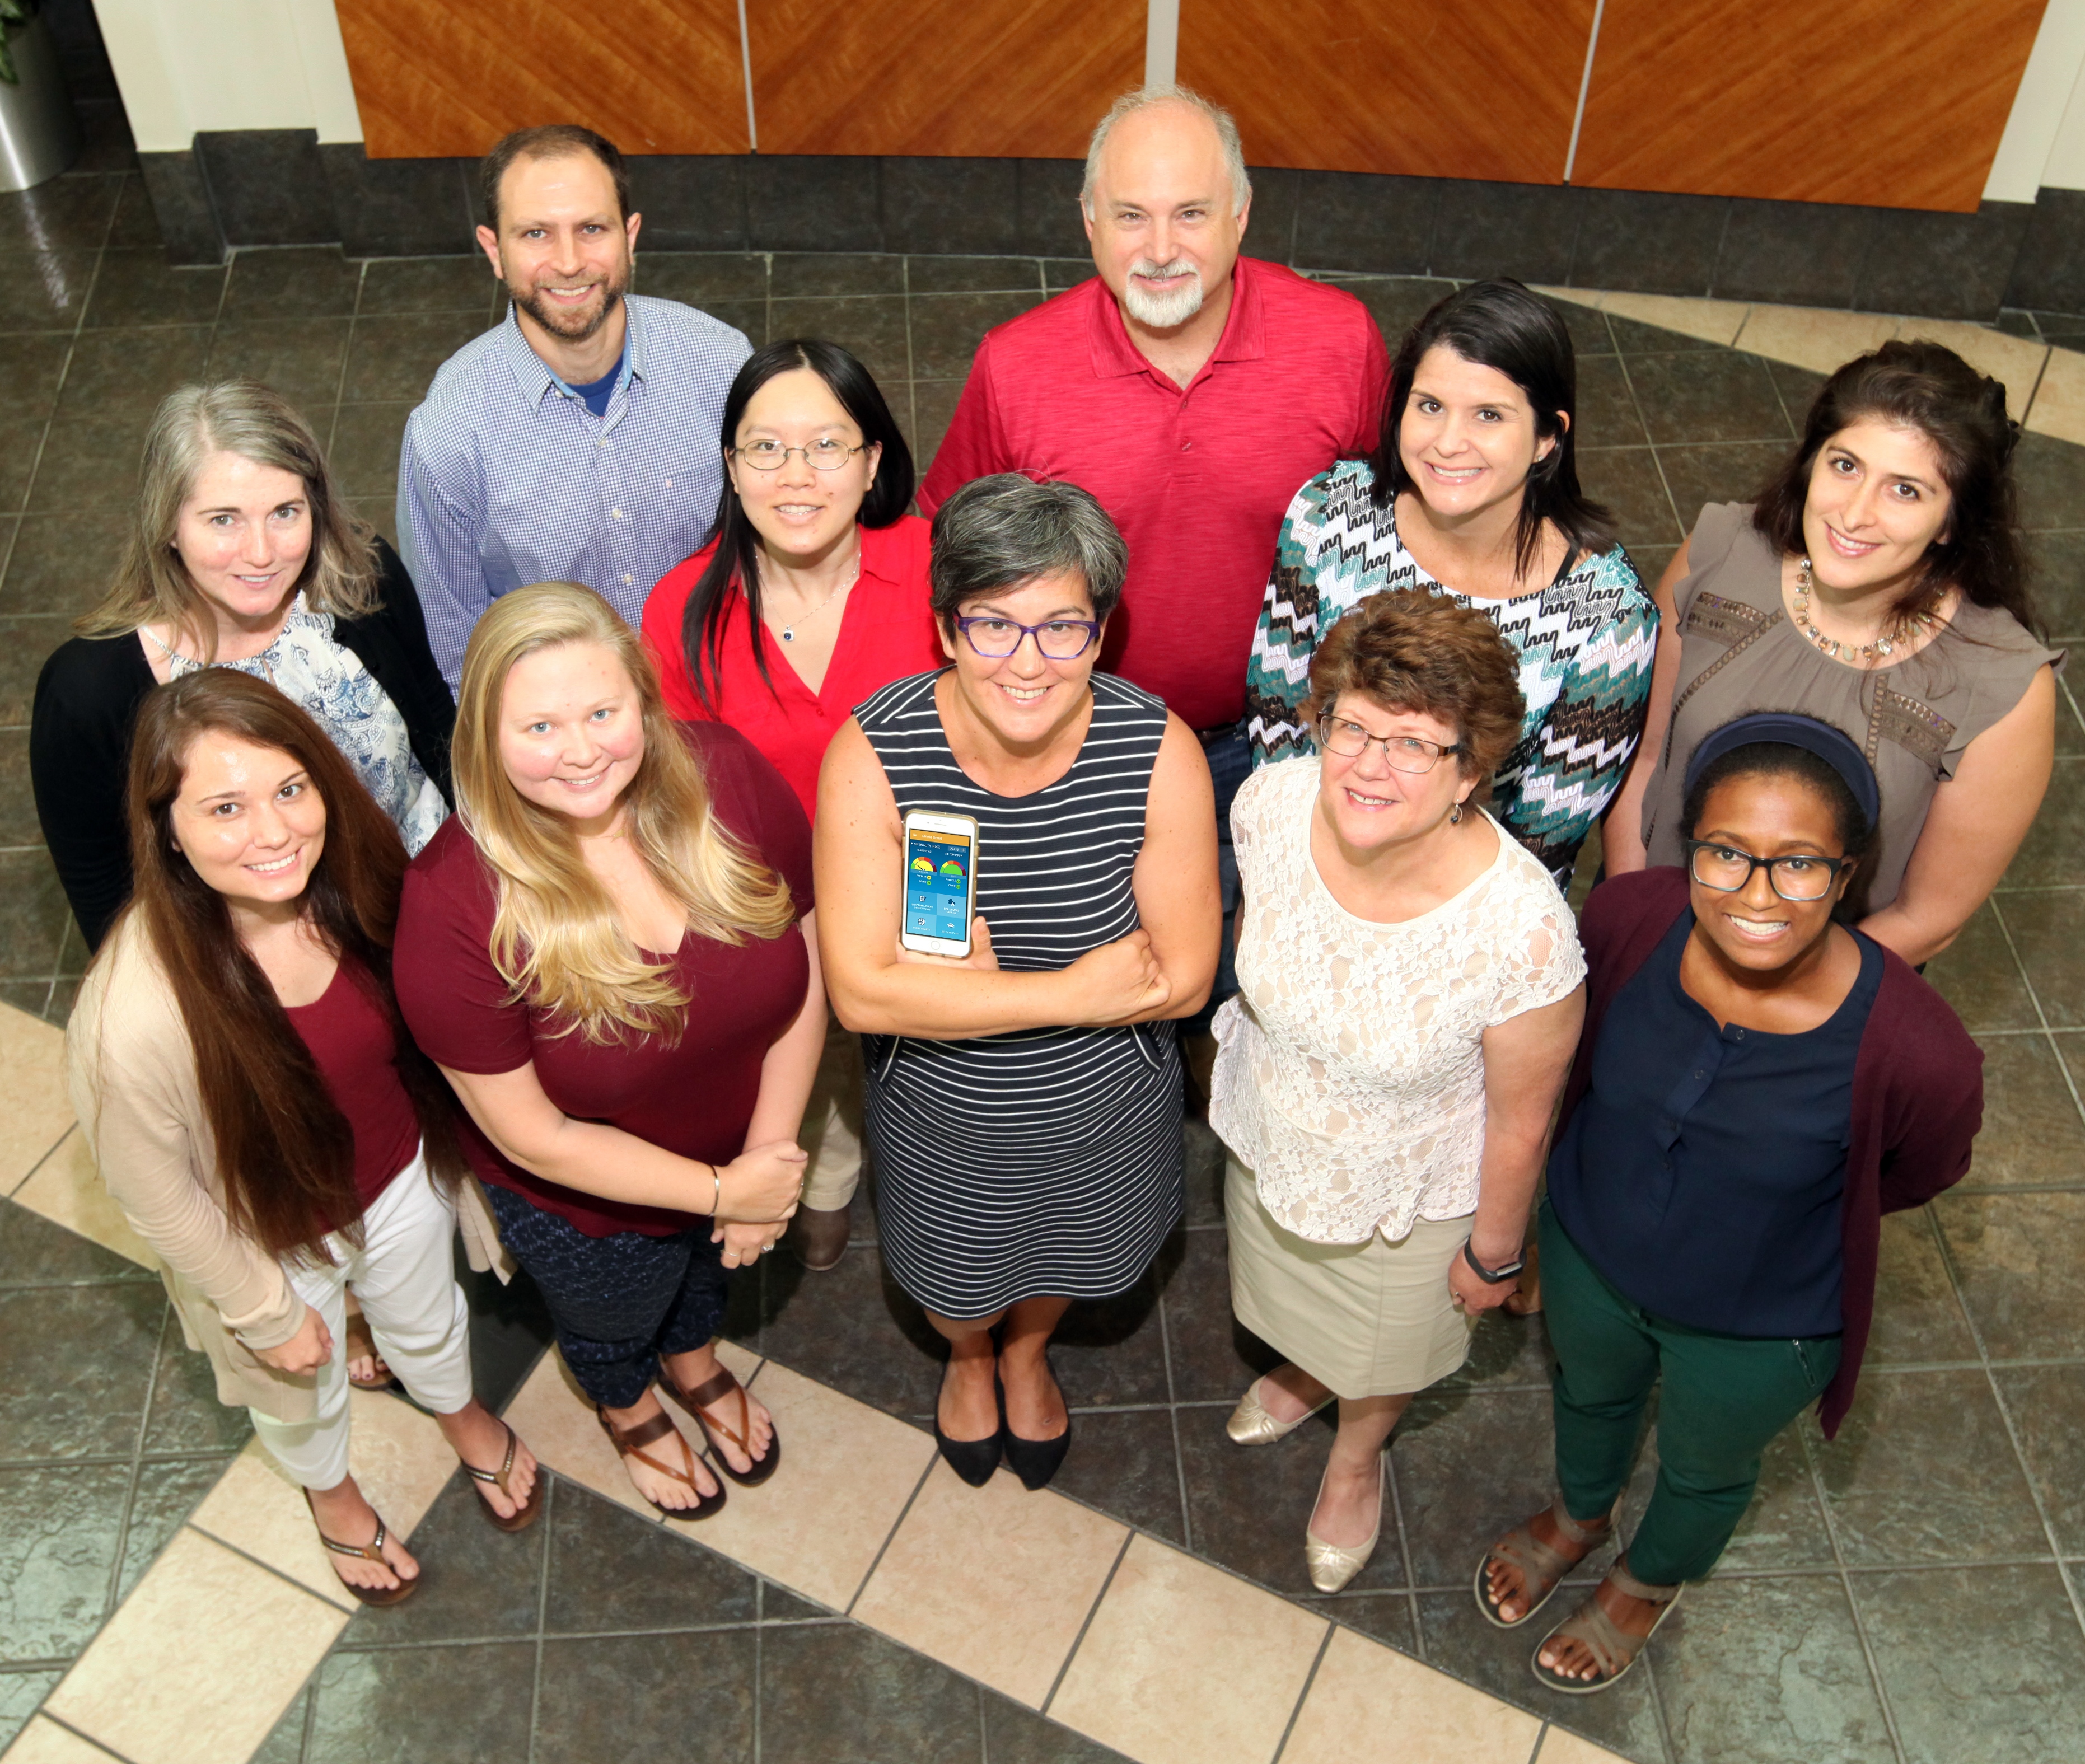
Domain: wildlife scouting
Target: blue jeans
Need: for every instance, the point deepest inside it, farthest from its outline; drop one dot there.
(1229, 755)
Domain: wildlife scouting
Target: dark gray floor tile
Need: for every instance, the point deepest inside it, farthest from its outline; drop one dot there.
(20, 1694)
(1392, 1618)
(300, 357)
(33, 915)
(1783, 1529)
(25, 640)
(1125, 1464)
(34, 1251)
(74, 1362)
(798, 273)
(610, 1570)
(32, 365)
(667, 1696)
(18, 813)
(124, 373)
(1113, 1351)
(1470, 1466)
(1798, 387)
(748, 317)
(2048, 930)
(300, 281)
(702, 278)
(395, 355)
(1983, 1663)
(1202, 1158)
(2058, 583)
(424, 1706)
(2053, 853)
(1505, 1349)
(1728, 472)
(1059, 273)
(59, 1009)
(955, 275)
(185, 1415)
(141, 288)
(1014, 1735)
(1707, 395)
(45, 290)
(1634, 337)
(284, 1744)
(67, 214)
(1769, 1672)
(947, 328)
(364, 454)
(168, 1491)
(2051, 477)
(1977, 975)
(1626, 480)
(933, 406)
(135, 225)
(62, 563)
(1590, 335)
(480, 1583)
(1397, 302)
(17, 452)
(2020, 1279)
(59, 1525)
(1923, 1471)
(1458, 1639)
(31, 996)
(894, 1705)
(429, 285)
(851, 1327)
(1214, 1356)
(1917, 1319)
(2047, 1404)
(871, 327)
(778, 1605)
(2032, 1135)
(1607, 406)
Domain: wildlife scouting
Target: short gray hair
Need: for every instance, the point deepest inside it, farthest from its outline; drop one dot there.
(1146, 98)
(996, 531)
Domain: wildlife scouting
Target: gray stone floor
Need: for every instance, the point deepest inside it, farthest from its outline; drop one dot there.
(1909, 1592)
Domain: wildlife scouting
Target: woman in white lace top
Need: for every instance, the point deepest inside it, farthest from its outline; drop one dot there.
(1410, 995)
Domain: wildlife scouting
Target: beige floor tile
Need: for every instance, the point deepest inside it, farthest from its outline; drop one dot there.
(1366, 1696)
(1812, 338)
(1591, 297)
(154, 1684)
(1184, 1664)
(558, 1422)
(2013, 361)
(2059, 406)
(398, 1456)
(1559, 1747)
(44, 1742)
(993, 1581)
(1713, 321)
(256, 1508)
(34, 1113)
(846, 1472)
(68, 1191)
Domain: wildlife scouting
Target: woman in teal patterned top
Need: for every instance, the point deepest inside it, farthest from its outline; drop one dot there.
(1473, 492)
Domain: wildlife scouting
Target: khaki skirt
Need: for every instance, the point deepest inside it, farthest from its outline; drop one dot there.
(1371, 1319)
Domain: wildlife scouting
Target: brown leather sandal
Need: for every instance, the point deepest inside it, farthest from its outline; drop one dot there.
(371, 1551)
(359, 1344)
(631, 1444)
(1541, 1566)
(716, 1390)
(1614, 1652)
(526, 1512)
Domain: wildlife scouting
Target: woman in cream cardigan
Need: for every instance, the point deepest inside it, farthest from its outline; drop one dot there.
(245, 989)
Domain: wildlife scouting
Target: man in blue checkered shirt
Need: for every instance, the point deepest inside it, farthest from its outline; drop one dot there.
(577, 442)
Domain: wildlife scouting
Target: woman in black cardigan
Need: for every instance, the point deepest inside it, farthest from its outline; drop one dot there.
(240, 554)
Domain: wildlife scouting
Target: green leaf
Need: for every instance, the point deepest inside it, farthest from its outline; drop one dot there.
(7, 68)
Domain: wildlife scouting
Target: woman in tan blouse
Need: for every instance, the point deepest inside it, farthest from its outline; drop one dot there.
(239, 1064)
(1878, 585)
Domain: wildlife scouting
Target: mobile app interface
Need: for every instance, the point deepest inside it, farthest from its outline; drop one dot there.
(937, 881)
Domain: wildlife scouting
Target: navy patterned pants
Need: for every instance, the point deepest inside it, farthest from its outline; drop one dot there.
(618, 1302)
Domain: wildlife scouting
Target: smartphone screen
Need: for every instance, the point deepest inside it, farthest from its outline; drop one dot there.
(937, 885)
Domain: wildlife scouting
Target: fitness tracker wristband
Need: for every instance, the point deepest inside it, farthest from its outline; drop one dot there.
(1491, 1277)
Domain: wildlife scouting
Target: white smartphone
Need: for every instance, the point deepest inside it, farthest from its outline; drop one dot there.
(940, 883)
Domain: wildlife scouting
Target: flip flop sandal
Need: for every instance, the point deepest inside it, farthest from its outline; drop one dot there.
(525, 1513)
(359, 1344)
(631, 1444)
(1541, 1565)
(716, 1390)
(371, 1551)
(1613, 1652)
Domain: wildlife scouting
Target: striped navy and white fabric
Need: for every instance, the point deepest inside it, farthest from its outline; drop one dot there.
(1045, 1161)
(506, 478)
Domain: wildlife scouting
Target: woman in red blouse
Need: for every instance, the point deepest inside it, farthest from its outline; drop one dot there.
(812, 597)
(609, 952)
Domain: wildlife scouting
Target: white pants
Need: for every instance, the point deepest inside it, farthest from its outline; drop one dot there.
(831, 1132)
(405, 1279)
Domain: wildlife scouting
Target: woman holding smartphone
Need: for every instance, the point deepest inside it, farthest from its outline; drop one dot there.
(1023, 1100)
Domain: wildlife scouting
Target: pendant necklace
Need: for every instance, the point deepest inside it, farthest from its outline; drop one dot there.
(1884, 645)
(789, 631)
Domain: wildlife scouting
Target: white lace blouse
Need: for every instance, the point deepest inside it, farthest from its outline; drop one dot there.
(1350, 1076)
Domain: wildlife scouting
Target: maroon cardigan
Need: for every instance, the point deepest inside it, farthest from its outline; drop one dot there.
(1918, 1090)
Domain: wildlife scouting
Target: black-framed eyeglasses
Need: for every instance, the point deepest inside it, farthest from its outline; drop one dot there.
(1405, 752)
(826, 456)
(1055, 639)
(1729, 871)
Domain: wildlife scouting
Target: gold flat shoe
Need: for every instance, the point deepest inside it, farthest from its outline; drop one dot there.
(1251, 1424)
(1331, 1566)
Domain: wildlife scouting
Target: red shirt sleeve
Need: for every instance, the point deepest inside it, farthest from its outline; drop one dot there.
(754, 801)
(664, 610)
(972, 447)
(454, 1000)
(1375, 393)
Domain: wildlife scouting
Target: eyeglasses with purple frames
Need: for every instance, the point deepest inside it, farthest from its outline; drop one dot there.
(1055, 639)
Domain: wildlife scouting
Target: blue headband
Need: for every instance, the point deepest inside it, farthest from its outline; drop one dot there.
(1787, 730)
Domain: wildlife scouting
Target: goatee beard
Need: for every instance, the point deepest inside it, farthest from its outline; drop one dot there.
(574, 327)
(1162, 312)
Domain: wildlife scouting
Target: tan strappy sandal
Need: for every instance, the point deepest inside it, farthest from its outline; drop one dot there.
(716, 1390)
(1613, 1651)
(1541, 1566)
(361, 1345)
(631, 1445)
(525, 1513)
(371, 1551)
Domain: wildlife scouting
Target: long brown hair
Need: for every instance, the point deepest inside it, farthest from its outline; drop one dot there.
(286, 1150)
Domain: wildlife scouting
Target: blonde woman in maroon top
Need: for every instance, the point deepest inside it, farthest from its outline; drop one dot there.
(256, 1110)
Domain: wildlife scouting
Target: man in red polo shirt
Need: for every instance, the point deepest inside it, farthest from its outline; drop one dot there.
(1193, 391)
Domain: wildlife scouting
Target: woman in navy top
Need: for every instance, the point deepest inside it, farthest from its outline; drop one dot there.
(1757, 1084)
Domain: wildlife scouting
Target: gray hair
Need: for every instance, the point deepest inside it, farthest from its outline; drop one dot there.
(996, 531)
(1145, 98)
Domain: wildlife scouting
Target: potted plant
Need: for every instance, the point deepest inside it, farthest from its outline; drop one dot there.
(40, 134)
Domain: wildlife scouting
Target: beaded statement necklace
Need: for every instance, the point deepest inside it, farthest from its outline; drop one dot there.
(1902, 631)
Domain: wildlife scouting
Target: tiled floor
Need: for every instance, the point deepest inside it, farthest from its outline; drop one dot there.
(1909, 1592)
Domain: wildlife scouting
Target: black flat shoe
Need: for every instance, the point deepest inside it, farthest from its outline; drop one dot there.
(973, 1460)
(1034, 1462)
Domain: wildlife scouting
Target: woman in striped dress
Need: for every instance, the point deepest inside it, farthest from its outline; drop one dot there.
(1024, 1102)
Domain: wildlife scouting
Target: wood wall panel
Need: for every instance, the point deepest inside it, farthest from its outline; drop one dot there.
(1023, 78)
(1867, 101)
(448, 78)
(1429, 88)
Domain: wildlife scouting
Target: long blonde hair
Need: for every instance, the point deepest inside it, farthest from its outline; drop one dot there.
(555, 937)
(152, 585)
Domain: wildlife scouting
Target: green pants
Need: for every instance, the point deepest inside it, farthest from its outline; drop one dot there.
(1725, 1397)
